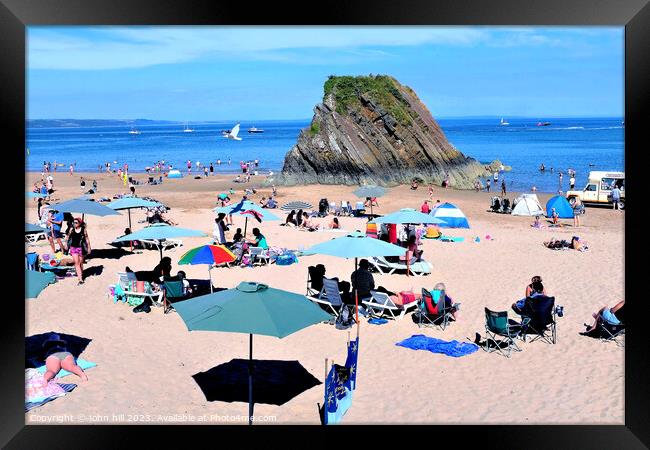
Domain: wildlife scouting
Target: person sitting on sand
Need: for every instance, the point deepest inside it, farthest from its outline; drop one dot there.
(271, 203)
(291, 219)
(613, 316)
(309, 224)
(263, 202)
(425, 209)
(334, 224)
(299, 218)
(238, 237)
(534, 289)
(414, 185)
(554, 216)
(449, 303)
(58, 357)
(537, 223)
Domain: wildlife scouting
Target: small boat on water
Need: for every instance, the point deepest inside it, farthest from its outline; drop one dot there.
(187, 129)
(543, 124)
(255, 130)
(134, 131)
(504, 123)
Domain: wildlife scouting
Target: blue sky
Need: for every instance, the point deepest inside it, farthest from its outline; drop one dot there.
(254, 73)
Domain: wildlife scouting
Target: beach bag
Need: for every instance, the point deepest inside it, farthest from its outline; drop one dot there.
(345, 320)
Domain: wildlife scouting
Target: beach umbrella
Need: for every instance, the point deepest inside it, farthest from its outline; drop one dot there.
(35, 282)
(208, 254)
(130, 203)
(370, 191)
(408, 216)
(84, 207)
(31, 228)
(250, 308)
(295, 205)
(451, 214)
(34, 195)
(356, 245)
(244, 208)
(223, 196)
(160, 232)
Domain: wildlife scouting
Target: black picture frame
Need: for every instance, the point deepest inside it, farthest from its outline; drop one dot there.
(15, 15)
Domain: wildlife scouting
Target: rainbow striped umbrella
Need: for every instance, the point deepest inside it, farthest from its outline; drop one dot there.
(208, 254)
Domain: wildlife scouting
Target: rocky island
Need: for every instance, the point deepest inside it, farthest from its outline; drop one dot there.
(374, 130)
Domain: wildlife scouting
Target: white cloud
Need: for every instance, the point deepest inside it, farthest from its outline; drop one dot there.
(101, 48)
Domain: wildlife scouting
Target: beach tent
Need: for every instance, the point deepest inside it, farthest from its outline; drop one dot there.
(174, 173)
(452, 216)
(562, 207)
(408, 216)
(527, 205)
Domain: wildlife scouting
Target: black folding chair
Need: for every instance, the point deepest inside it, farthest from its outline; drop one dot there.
(540, 310)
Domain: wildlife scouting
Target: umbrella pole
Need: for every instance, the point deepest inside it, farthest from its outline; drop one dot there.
(160, 248)
(245, 225)
(129, 219)
(250, 382)
(210, 276)
(356, 299)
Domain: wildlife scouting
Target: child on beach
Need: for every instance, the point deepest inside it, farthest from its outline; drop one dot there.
(555, 216)
(537, 223)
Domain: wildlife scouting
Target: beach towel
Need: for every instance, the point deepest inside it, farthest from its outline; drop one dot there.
(66, 388)
(377, 321)
(85, 365)
(453, 348)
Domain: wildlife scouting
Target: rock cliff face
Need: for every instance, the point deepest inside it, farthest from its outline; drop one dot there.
(374, 130)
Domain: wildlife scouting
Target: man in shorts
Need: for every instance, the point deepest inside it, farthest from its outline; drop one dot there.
(54, 229)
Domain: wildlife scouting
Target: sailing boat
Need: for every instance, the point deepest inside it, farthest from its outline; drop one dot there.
(187, 129)
(134, 131)
(233, 133)
(503, 122)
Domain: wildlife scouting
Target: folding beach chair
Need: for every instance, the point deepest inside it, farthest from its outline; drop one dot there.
(126, 280)
(164, 244)
(541, 312)
(613, 332)
(258, 254)
(432, 309)
(174, 291)
(380, 304)
(329, 297)
(31, 261)
(315, 276)
(382, 265)
(498, 324)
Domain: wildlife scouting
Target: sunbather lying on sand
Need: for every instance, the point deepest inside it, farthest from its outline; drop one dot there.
(58, 357)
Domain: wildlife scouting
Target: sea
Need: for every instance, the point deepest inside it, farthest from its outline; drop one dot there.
(581, 144)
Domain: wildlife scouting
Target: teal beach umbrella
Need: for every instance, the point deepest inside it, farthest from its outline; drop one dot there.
(250, 308)
(356, 245)
(130, 203)
(84, 207)
(35, 282)
(160, 232)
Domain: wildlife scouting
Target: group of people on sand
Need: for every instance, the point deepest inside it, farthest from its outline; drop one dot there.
(303, 220)
(77, 242)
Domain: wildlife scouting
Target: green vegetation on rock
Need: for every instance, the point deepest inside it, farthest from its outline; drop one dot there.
(381, 89)
(314, 128)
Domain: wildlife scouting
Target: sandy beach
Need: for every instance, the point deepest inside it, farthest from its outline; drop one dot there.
(145, 362)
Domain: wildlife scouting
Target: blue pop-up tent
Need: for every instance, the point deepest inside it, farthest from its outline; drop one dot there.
(561, 205)
(452, 216)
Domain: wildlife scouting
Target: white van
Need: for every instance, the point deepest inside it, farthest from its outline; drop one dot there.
(599, 188)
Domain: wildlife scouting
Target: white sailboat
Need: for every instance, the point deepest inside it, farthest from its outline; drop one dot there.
(134, 131)
(233, 133)
(503, 122)
(187, 129)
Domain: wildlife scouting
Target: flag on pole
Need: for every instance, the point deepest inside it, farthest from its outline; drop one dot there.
(351, 363)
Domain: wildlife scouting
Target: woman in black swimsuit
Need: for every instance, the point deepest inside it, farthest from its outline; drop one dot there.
(76, 237)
